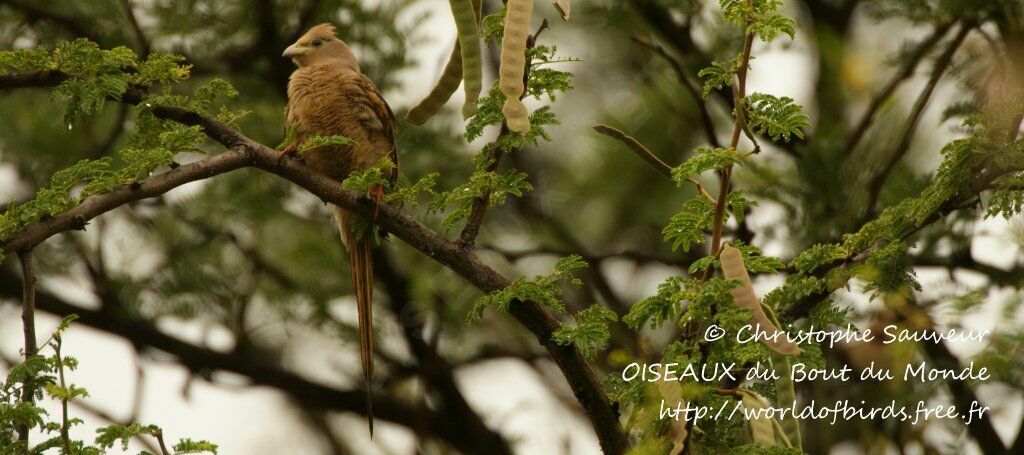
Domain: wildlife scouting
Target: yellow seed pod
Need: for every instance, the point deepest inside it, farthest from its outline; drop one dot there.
(743, 295)
(513, 64)
(761, 428)
(564, 8)
(469, 43)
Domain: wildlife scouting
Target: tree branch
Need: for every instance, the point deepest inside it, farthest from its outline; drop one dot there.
(141, 41)
(897, 79)
(34, 12)
(422, 420)
(28, 319)
(433, 368)
(943, 62)
(467, 237)
(244, 152)
(689, 85)
(637, 148)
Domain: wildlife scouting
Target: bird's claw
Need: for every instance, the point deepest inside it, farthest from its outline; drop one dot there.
(290, 151)
(378, 193)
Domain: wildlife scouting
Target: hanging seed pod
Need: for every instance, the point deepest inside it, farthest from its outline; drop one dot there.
(446, 86)
(743, 295)
(564, 8)
(469, 43)
(785, 397)
(761, 429)
(672, 392)
(513, 64)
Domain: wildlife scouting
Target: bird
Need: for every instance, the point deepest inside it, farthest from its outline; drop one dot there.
(328, 95)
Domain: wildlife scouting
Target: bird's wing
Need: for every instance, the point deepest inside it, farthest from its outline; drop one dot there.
(387, 119)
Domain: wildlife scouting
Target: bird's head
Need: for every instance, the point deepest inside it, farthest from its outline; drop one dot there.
(320, 46)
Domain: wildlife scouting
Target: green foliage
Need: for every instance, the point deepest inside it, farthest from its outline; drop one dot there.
(317, 141)
(659, 308)
(189, 446)
(719, 75)
(590, 332)
(70, 186)
(779, 118)
(703, 160)
(887, 270)
(94, 76)
(758, 449)
(493, 26)
(1007, 199)
(687, 227)
(366, 181)
(817, 256)
(760, 18)
(407, 192)
(753, 259)
(112, 434)
(42, 372)
(482, 183)
(738, 204)
(542, 289)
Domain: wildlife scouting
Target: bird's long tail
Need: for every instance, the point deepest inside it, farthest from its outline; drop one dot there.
(360, 260)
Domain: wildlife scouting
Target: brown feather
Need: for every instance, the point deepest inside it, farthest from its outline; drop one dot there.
(328, 96)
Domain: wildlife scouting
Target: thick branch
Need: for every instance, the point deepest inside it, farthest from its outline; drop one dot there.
(243, 152)
(419, 419)
(28, 319)
(36, 12)
(433, 368)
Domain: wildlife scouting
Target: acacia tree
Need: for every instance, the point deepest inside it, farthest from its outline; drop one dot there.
(207, 79)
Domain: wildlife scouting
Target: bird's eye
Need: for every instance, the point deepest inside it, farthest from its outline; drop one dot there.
(317, 43)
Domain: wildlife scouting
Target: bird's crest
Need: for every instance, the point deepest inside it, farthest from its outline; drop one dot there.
(325, 30)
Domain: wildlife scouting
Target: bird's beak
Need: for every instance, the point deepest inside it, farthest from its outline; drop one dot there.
(295, 50)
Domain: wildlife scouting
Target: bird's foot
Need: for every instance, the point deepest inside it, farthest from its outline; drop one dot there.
(378, 193)
(290, 151)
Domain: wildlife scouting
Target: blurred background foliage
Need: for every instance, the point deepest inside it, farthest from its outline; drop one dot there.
(250, 255)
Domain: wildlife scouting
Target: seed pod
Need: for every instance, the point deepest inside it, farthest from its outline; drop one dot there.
(446, 86)
(451, 77)
(469, 42)
(785, 397)
(513, 64)
(761, 428)
(743, 295)
(672, 393)
(564, 8)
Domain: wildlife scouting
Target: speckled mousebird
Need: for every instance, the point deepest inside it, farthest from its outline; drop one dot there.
(328, 95)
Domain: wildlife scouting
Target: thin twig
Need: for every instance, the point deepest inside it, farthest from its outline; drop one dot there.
(244, 152)
(689, 85)
(878, 180)
(159, 435)
(648, 156)
(894, 83)
(28, 320)
(65, 426)
(723, 192)
(471, 230)
(140, 36)
(636, 147)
